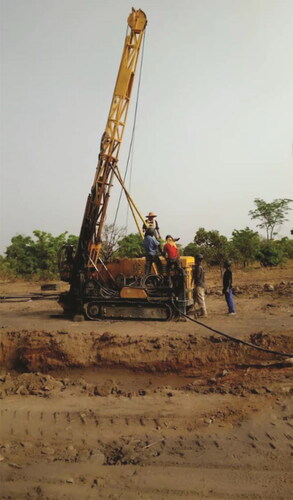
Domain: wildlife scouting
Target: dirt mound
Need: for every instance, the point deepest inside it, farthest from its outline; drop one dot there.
(283, 288)
(43, 351)
(47, 386)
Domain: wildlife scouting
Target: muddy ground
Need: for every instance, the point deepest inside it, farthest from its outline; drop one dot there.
(149, 410)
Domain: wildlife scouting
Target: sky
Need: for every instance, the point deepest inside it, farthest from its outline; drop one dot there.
(214, 126)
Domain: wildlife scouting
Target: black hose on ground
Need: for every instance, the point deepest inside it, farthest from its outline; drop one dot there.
(27, 298)
(234, 339)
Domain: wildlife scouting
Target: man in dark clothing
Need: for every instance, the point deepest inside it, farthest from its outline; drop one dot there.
(198, 278)
(151, 246)
(227, 287)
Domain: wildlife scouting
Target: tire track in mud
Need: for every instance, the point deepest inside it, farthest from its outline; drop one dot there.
(208, 455)
(101, 416)
(68, 443)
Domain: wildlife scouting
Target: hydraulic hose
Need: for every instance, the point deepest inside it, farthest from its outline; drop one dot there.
(27, 298)
(234, 339)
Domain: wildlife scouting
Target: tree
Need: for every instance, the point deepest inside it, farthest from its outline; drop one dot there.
(130, 246)
(214, 246)
(27, 256)
(20, 256)
(110, 237)
(271, 214)
(191, 249)
(245, 245)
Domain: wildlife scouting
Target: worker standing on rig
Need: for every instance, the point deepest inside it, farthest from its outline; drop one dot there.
(198, 279)
(151, 246)
(171, 253)
(151, 223)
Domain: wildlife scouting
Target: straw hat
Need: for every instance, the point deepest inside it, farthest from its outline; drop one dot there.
(151, 214)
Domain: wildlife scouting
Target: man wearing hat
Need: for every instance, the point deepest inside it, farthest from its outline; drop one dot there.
(198, 278)
(151, 223)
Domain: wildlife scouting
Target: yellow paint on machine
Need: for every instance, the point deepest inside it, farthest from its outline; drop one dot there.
(132, 293)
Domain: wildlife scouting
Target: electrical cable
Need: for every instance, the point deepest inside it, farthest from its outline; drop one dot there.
(234, 339)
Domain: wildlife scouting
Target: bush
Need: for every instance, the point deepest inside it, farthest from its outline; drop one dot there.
(270, 254)
(286, 245)
(6, 272)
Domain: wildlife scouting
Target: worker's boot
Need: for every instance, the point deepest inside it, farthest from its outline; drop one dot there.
(196, 313)
(203, 313)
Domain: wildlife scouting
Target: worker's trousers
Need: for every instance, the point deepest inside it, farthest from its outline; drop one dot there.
(199, 299)
(149, 260)
(230, 301)
(173, 263)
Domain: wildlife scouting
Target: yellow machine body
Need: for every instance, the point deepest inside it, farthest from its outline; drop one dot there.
(134, 268)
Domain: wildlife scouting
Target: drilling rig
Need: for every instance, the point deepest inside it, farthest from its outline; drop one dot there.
(118, 289)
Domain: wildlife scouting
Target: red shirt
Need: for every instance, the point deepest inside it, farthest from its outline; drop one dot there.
(171, 250)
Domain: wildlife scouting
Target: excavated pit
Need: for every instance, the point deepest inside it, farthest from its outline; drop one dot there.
(187, 354)
(45, 364)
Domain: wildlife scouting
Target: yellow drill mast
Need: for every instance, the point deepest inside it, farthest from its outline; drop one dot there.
(90, 242)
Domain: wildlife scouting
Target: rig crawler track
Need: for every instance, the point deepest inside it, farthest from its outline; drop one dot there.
(101, 309)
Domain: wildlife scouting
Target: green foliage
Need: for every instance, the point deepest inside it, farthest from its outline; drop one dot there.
(6, 273)
(130, 246)
(271, 254)
(214, 246)
(245, 245)
(287, 247)
(271, 214)
(36, 257)
(27, 256)
(191, 249)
